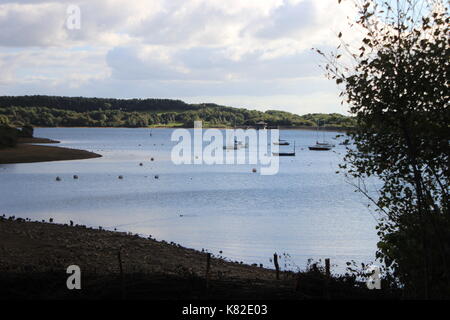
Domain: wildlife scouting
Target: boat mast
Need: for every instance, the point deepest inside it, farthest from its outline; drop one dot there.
(323, 135)
(317, 131)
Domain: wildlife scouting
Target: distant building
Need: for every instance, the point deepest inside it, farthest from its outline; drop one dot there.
(261, 125)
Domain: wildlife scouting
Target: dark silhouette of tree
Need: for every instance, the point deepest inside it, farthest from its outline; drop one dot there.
(398, 90)
(26, 132)
(8, 136)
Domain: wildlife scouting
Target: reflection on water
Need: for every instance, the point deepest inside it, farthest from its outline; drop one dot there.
(306, 210)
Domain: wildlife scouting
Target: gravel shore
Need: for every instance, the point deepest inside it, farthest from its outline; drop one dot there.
(34, 257)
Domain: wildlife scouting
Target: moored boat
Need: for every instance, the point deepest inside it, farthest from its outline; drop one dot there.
(320, 147)
(285, 154)
(281, 143)
(237, 145)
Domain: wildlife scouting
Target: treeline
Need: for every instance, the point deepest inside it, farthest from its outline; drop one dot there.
(82, 104)
(92, 112)
(9, 136)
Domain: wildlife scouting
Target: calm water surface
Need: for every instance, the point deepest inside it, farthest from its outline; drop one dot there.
(306, 210)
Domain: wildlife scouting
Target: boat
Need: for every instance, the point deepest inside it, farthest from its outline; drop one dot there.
(236, 145)
(285, 154)
(281, 143)
(321, 146)
(326, 144)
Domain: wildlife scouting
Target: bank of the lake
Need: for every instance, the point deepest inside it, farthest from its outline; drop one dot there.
(35, 256)
(26, 151)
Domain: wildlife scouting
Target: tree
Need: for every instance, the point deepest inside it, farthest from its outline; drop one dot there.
(398, 90)
(26, 132)
(4, 121)
(8, 136)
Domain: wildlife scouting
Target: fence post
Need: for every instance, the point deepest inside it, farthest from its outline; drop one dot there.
(277, 267)
(327, 267)
(327, 280)
(122, 280)
(208, 266)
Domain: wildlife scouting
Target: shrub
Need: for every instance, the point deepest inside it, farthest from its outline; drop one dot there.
(8, 136)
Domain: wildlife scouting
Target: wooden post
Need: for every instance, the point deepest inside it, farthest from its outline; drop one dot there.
(122, 281)
(277, 267)
(208, 266)
(327, 267)
(327, 280)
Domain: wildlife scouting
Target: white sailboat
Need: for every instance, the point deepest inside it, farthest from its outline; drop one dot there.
(321, 146)
(236, 145)
(281, 143)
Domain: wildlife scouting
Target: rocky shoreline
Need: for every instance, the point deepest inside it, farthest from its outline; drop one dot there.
(114, 265)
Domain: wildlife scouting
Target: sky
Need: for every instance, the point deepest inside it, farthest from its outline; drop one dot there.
(255, 54)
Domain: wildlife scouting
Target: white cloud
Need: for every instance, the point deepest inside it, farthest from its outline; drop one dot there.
(31, 25)
(170, 48)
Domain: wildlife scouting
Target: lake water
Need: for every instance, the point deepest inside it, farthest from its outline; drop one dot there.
(306, 210)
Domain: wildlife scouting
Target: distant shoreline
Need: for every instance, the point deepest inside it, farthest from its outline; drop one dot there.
(337, 129)
(27, 152)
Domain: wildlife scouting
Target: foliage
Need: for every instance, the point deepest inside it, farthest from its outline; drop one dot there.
(26, 132)
(93, 112)
(4, 121)
(81, 104)
(398, 90)
(8, 136)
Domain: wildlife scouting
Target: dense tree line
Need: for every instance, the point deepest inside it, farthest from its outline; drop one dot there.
(82, 104)
(92, 112)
